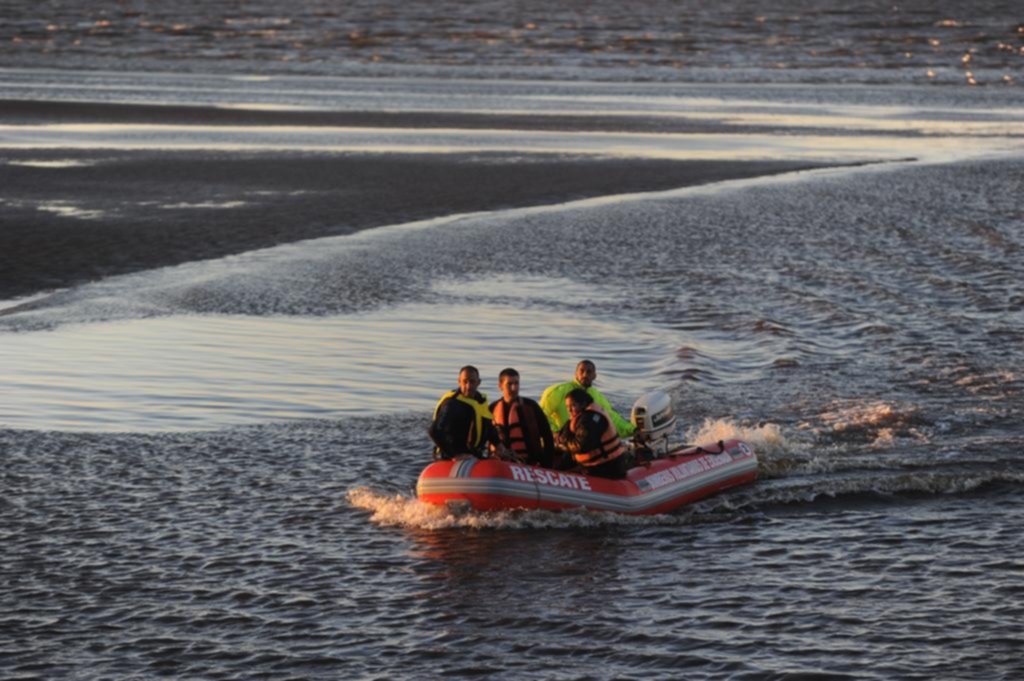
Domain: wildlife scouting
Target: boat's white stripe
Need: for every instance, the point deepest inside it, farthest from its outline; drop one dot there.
(463, 468)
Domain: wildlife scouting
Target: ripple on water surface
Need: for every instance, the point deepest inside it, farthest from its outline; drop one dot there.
(267, 549)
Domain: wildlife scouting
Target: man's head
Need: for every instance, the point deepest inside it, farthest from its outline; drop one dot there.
(469, 380)
(586, 372)
(577, 401)
(508, 382)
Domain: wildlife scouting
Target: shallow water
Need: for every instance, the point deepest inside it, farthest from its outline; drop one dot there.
(208, 470)
(200, 372)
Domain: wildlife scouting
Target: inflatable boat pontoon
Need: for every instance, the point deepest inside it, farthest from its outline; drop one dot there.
(674, 479)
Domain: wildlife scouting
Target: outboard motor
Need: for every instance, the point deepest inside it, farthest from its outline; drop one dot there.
(655, 422)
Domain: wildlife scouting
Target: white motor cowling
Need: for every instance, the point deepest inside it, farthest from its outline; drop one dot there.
(654, 420)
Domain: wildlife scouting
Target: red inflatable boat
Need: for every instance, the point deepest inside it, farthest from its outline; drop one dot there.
(677, 478)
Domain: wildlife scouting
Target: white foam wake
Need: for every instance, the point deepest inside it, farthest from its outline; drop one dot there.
(399, 510)
(765, 438)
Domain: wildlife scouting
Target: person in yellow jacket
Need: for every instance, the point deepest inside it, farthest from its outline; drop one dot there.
(462, 422)
(552, 401)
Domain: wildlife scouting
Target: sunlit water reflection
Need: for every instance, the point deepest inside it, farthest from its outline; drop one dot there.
(174, 373)
(943, 140)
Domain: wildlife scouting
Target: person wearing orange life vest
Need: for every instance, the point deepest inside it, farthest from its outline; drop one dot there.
(521, 423)
(462, 422)
(591, 438)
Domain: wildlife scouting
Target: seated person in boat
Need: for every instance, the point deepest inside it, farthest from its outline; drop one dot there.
(591, 438)
(521, 423)
(553, 400)
(462, 422)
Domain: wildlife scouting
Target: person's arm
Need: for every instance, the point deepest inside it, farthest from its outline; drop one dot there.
(491, 435)
(587, 435)
(502, 431)
(552, 402)
(547, 438)
(439, 430)
(623, 427)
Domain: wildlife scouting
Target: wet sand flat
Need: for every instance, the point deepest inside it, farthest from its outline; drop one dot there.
(69, 215)
(23, 112)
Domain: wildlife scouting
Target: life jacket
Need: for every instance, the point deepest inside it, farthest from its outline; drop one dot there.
(518, 425)
(480, 412)
(611, 446)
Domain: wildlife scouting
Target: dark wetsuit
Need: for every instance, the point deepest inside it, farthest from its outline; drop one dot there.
(454, 430)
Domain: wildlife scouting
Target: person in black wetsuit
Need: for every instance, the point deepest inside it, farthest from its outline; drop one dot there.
(462, 422)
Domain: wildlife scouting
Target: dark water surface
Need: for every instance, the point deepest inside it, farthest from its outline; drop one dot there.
(247, 554)
(795, 40)
(207, 470)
